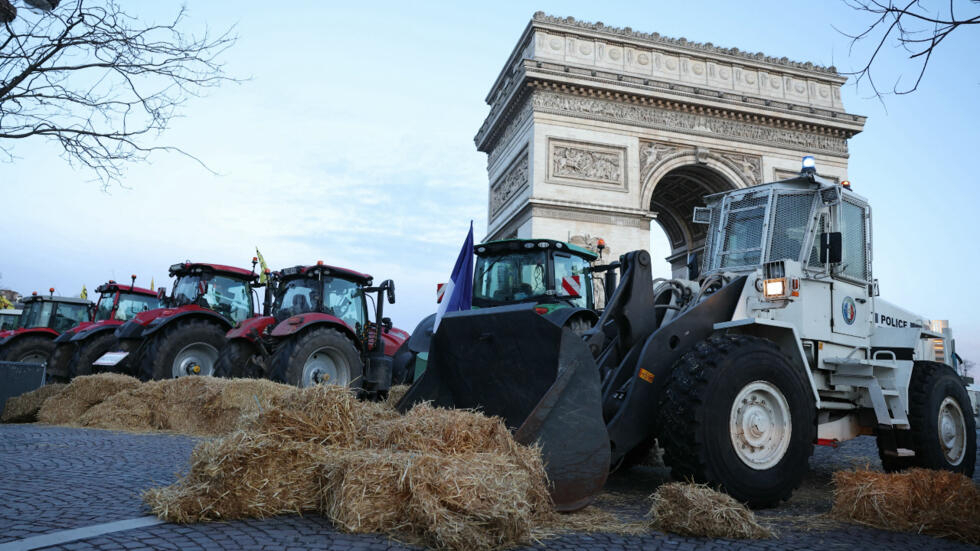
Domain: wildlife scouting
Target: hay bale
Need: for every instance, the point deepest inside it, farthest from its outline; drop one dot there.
(202, 406)
(939, 503)
(461, 501)
(697, 510)
(24, 408)
(82, 393)
(395, 394)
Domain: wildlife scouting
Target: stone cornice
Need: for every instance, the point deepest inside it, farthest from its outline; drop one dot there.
(683, 43)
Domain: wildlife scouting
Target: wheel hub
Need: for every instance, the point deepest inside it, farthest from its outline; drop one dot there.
(760, 425)
(326, 366)
(952, 431)
(195, 359)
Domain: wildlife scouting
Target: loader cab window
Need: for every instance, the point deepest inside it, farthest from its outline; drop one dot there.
(131, 304)
(103, 310)
(854, 230)
(572, 270)
(741, 243)
(229, 296)
(297, 296)
(345, 300)
(68, 315)
(789, 225)
(510, 277)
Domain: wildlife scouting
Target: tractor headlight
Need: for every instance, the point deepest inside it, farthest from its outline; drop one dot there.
(774, 288)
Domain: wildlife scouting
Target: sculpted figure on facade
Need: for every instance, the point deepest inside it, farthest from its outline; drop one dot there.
(513, 181)
(586, 164)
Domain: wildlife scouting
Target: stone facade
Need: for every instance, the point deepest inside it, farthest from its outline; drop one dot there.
(596, 131)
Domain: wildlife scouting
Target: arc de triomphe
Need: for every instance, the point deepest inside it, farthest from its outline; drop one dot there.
(596, 131)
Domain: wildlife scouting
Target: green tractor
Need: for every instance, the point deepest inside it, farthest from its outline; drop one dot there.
(555, 276)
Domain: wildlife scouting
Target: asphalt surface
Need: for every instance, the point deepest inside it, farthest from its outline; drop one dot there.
(54, 479)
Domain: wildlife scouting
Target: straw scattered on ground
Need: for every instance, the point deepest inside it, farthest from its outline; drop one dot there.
(592, 519)
(81, 394)
(443, 478)
(24, 408)
(697, 510)
(939, 503)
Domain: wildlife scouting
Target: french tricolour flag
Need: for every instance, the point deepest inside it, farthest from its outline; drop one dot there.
(459, 289)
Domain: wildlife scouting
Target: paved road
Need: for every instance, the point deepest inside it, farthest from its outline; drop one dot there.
(54, 479)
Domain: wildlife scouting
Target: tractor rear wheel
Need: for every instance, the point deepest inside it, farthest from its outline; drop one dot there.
(320, 356)
(31, 349)
(187, 348)
(738, 415)
(90, 350)
(943, 430)
(238, 360)
(59, 362)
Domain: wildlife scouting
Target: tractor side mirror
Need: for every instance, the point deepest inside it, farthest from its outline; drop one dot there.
(386, 323)
(389, 286)
(831, 247)
(161, 293)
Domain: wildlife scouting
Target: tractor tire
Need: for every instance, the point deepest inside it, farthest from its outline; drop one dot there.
(943, 430)
(736, 414)
(90, 350)
(59, 362)
(320, 356)
(188, 347)
(31, 349)
(237, 360)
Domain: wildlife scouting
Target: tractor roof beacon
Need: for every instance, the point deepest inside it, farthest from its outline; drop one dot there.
(317, 330)
(185, 336)
(783, 343)
(76, 349)
(42, 319)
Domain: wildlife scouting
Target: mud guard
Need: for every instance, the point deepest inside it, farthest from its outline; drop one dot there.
(511, 362)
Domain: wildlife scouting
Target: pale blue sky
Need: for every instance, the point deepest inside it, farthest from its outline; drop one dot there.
(353, 143)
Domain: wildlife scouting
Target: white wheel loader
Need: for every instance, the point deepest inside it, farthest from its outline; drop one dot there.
(780, 344)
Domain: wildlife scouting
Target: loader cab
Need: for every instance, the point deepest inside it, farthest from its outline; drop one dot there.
(225, 289)
(551, 273)
(321, 288)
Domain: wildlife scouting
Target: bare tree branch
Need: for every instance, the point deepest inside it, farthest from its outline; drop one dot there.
(100, 82)
(911, 25)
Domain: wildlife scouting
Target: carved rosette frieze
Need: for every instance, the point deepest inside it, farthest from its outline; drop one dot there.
(513, 181)
(581, 163)
(679, 121)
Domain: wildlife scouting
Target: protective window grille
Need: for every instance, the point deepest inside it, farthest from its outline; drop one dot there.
(710, 254)
(744, 229)
(854, 228)
(814, 261)
(789, 225)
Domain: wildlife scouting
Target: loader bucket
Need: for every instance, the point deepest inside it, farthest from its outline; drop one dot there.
(17, 378)
(541, 379)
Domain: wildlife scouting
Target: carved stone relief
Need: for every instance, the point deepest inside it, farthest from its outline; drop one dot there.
(514, 180)
(586, 162)
(655, 154)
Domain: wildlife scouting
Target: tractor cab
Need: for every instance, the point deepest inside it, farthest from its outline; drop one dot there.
(223, 289)
(325, 289)
(9, 318)
(57, 314)
(551, 273)
(121, 302)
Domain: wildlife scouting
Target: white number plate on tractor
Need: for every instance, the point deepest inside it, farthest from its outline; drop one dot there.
(110, 359)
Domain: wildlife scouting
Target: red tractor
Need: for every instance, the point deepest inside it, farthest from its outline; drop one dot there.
(319, 332)
(41, 321)
(77, 348)
(185, 336)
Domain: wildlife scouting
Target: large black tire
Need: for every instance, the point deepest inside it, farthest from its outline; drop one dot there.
(174, 351)
(715, 408)
(59, 361)
(238, 360)
(32, 348)
(88, 351)
(304, 359)
(943, 432)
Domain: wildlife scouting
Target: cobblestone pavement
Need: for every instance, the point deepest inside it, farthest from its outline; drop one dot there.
(55, 478)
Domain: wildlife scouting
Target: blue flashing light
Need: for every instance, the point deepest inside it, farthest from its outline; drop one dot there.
(809, 164)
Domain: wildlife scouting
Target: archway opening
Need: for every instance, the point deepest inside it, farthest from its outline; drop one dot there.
(673, 234)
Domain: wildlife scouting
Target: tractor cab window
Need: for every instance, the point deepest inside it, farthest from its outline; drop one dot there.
(8, 321)
(103, 310)
(131, 304)
(297, 296)
(510, 277)
(345, 300)
(36, 314)
(187, 289)
(571, 279)
(68, 315)
(229, 297)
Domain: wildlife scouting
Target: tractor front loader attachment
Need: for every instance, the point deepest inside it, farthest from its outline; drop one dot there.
(541, 379)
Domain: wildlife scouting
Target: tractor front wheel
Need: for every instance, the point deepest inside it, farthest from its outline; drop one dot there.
(738, 415)
(240, 359)
(188, 348)
(29, 350)
(90, 350)
(320, 356)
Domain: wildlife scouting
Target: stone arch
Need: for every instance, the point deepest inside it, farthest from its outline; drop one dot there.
(674, 187)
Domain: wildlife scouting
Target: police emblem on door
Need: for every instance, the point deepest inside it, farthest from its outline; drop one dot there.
(849, 310)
